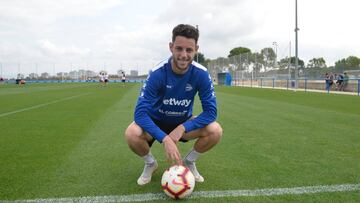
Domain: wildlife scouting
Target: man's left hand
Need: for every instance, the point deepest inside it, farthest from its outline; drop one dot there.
(177, 133)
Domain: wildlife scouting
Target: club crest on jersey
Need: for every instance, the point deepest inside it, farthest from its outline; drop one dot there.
(188, 88)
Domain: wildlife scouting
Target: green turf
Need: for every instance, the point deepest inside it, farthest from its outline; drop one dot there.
(73, 145)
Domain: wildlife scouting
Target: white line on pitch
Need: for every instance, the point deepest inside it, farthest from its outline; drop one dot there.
(199, 194)
(41, 105)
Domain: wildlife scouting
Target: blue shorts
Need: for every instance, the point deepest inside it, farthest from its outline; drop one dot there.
(167, 128)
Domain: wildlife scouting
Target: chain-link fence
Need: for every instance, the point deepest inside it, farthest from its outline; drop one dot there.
(254, 70)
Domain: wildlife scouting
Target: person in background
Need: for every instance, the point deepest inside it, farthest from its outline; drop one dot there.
(339, 81)
(103, 78)
(345, 82)
(327, 81)
(123, 78)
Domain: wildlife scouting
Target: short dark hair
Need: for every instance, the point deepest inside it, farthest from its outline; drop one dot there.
(187, 31)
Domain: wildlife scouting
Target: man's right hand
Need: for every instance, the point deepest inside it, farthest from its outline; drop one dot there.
(171, 151)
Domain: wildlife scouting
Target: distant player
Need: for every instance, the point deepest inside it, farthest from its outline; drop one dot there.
(20, 82)
(339, 81)
(123, 78)
(103, 78)
(164, 111)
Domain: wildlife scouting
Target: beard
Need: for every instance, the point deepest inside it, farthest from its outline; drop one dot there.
(183, 63)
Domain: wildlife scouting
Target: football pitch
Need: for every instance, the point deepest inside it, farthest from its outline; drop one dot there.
(65, 143)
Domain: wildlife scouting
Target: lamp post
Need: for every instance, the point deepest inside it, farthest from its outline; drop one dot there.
(289, 63)
(296, 47)
(36, 71)
(276, 47)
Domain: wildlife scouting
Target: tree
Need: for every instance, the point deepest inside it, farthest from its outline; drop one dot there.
(350, 63)
(207, 62)
(353, 61)
(221, 64)
(238, 51)
(257, 60)
(200, 58)
(120, 72)
(33, 76)
(269, 57)
(300, 62)
(284, 63)
(44, 75)
(20, 76)
(317, 63)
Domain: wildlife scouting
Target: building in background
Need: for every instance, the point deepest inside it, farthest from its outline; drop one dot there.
(134, 73)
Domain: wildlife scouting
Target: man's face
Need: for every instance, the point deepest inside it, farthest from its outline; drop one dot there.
(183, 51)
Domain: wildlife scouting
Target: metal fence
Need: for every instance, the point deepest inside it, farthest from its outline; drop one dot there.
(248, 70)
(352, 86)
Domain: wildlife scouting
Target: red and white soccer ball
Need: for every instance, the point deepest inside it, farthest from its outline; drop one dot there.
(178, 182)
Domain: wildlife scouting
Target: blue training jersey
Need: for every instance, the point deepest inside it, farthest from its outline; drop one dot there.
(169, 98)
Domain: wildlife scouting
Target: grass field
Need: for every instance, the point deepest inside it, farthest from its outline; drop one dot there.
(66, 141)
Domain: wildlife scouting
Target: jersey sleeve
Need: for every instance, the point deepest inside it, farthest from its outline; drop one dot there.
(147, 97)
(208, 103)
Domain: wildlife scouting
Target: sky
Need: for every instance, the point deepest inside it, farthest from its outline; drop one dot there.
(59, 36)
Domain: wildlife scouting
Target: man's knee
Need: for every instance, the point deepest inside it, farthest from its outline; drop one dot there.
(214, 131)
(133, 132)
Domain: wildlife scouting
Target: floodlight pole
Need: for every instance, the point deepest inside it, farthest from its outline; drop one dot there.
(296, 46)
(289, 76)
(54, 69)
(276, 48)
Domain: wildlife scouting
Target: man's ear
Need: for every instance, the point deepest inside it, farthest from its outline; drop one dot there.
(171, 46)
(197, 48)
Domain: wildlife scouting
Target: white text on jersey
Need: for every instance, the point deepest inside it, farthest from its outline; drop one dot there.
(174, 102)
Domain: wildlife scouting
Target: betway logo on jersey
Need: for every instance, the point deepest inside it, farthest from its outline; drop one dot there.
(175, 102)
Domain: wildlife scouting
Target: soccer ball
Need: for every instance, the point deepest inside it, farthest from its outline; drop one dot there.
(178, 182)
